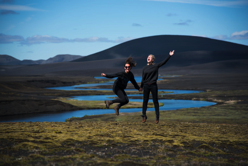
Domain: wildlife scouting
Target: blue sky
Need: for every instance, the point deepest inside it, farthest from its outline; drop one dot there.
(40, 29)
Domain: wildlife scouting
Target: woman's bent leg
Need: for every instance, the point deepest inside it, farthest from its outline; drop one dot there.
(123, 99)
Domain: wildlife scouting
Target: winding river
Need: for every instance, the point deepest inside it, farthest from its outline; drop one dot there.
(62, 116)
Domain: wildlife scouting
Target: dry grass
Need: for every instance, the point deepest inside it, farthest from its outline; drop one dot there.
(111, 143)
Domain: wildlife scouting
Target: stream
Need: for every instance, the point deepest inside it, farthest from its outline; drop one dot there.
(62, 116)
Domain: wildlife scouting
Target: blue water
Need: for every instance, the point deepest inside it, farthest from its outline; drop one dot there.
(62, 116)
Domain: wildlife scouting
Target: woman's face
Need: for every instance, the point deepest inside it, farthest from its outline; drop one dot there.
(127, 68)
(150, 59)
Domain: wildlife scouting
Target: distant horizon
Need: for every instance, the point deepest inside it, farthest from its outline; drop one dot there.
(119, 44)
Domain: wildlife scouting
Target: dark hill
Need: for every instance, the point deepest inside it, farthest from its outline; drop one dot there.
(192, 55)
(161, 45)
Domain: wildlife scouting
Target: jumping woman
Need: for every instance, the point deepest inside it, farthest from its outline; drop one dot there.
(149, 84)
(121, 83)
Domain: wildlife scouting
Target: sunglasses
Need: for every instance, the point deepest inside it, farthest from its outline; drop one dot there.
(127, 67)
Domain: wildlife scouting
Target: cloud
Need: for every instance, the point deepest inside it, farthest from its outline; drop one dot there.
(239, 35)
(39, 39)
(101, 39)
(122, 39)
(224, 3)
(136, 25)
(5, 12)
(51, 39)
(242, 35)
(184, 22)
(221, 37)
(91, 39)
(18, 8)
(6, 1)
(199, 35)
(171, 14)
(10, 38)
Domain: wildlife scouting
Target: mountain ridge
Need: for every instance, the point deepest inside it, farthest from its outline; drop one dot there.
(9, 60)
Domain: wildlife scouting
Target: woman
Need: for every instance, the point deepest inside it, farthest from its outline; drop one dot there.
(121, 83)
(149, 84)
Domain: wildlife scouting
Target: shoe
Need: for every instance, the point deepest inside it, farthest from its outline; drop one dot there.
(144, 119)
(116, 108)
(108, 103)
(156, 121)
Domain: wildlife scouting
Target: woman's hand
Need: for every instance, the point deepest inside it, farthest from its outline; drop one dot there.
(140, 89)
(171, 52)
(103, 74)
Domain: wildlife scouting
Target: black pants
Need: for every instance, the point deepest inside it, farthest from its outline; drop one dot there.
(146, 92)
(123, 99)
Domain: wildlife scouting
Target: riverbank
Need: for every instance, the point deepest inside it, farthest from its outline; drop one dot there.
(22, 95)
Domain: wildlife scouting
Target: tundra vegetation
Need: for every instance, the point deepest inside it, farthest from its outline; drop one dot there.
(215, 135)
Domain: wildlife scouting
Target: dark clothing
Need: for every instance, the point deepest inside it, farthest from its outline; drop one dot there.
(149, 84)
(120, 84)
(150, 72)
(123, 99)
(123, 79)
(146, 92)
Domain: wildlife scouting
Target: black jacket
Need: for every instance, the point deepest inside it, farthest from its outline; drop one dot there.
(150, 72)
(123, 79)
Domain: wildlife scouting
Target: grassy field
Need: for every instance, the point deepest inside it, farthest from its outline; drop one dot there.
(206, 136)
(215, 135)
(120, 142)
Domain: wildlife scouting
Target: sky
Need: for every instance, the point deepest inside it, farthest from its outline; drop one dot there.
(40, 29)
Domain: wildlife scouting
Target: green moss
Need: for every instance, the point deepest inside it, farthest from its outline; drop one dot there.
(101, 104)
(111, 142)
(27, 146)
(36, 157)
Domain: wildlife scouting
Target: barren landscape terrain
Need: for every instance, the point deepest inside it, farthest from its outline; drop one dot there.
(213, 135)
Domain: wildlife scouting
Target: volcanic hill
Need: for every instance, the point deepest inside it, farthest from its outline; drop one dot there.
(192, 55)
